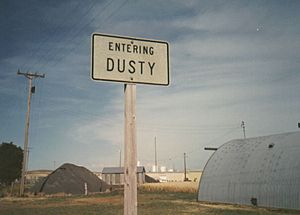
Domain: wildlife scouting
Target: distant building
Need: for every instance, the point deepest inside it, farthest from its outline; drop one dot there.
(154, 168)
(115, 175)
(261, 171)
(163, 169)
(175, 176)
(35, 175)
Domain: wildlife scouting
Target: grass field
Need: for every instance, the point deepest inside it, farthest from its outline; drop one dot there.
(150, 201)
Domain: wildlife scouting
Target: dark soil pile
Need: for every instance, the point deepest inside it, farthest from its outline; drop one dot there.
(70, 179)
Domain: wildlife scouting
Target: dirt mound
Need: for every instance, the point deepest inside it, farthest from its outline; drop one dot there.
(70, 179)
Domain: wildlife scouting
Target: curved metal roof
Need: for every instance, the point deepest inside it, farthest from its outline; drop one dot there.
(262, 170)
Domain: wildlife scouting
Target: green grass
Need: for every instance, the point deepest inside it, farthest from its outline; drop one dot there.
(67, 210)
(161, 203)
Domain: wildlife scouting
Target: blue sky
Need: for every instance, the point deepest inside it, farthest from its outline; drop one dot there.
(230, 61)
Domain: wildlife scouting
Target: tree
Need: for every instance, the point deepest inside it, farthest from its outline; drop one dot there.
(11, 158)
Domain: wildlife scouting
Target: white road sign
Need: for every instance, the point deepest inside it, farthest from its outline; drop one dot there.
(130, 60)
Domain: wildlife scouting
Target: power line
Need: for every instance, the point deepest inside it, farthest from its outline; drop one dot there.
(37, 51)
(74, 37)
(177, 156)
(54, 35)
(74, 34)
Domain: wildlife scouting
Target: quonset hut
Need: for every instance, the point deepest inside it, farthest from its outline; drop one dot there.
(263, 171)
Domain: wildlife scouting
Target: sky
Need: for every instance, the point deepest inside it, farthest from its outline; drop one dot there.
(230, 61)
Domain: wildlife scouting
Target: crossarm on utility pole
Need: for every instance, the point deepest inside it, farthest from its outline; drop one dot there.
(31, 75)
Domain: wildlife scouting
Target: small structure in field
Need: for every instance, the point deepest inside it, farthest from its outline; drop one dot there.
(34, 176)
(261, 171)
(70, 179)
(115, 175)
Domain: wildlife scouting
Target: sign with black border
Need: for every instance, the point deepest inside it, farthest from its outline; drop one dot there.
(129, 60)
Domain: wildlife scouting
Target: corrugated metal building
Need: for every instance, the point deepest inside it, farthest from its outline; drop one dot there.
(263, 171)
(115, 175)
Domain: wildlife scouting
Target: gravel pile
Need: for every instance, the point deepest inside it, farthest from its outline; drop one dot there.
(70, 179)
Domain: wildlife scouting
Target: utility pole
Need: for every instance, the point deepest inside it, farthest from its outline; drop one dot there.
(244, 129)
(28, 151)
(31, 90)
(184, 163)
(155, 155)
(120, 161)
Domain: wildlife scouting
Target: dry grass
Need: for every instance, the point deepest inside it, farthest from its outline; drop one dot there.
(182, 187)
(166, 203)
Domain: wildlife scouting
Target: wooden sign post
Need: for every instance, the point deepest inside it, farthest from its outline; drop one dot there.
(130, 60)
(130, 162)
